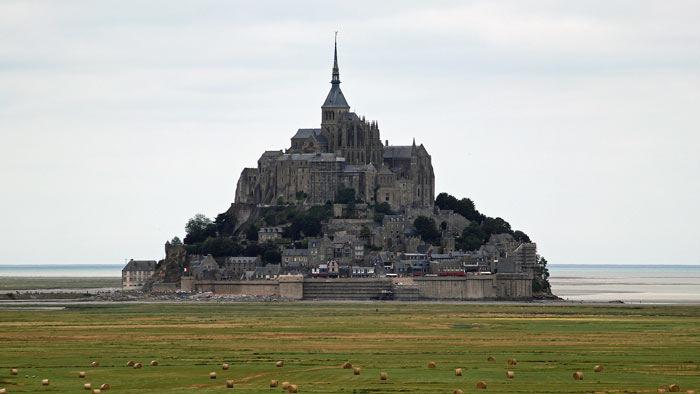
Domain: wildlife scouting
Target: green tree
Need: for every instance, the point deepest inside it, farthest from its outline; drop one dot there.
(176, 241)
(270, 253)
(225, 223)
(427, 229)
(301, 196)
(520, 236)
(221, 247)
(472, 238)
(198, 229)
(251, 233)
(383, 208)
(540, 283)
(495, 226)
(346, 195)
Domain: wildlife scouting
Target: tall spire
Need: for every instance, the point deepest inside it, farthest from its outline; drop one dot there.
(336, 72)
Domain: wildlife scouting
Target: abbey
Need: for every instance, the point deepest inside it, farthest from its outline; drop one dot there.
(345, 152)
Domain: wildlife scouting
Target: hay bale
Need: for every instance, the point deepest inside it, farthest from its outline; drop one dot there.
(212, 375)
(598, 368)
(458, 372)
(660, 390)
(105, 386)
(457, 391)
(138, 365)
(432, 365)
(95, 364)
(510, 374)
(45, 382)
(154, 363)
(674, 388)
(229, 384)
(3, 391)
(383, 376)
(225, 366)
(82, 374)
(285, 385)
(687, 392)
(87, 386)
(130, 363)
(356, 371)
(279, 364)
(347, 365)
(491, 359)
(578, 375)
(14, 371)
(512, 362)
(481, 385)
(293, 388)
(96, 391)
(273, 383)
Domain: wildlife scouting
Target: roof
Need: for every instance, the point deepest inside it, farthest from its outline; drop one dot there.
(307, 133)
(140, 265)
(270, 154)
(398, 152)
(295, 252)
(311, 157)
(335, 98)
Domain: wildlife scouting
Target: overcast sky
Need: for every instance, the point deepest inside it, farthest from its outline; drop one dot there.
(578, 122)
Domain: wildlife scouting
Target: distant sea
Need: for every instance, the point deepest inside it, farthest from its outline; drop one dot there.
(676, 284)
(663, 284)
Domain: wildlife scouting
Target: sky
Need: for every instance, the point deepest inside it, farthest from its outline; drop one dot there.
(578, 122)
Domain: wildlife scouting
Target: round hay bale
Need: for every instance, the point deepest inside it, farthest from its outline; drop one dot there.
(578, 375)
(356, 371)
(491, 359)
(285, 385)
(212, 375)
(154, 363)
(105, 386)
(87, 386)
(687, 392)
(138, 365)
(279, 364)
(225, 366)
(510, 374)
(347, 365)
(598, 368)
(14, 371)
(3, 391)
(229, 384)
(293, 388)
(458, 372)
(82, 374)
(660, 390)
(130, 363)
(481, 385)
(383, 376)
(96, 391)
(273, 383)
(95, 364)
(432, 365)
(45, 382)
(512, 362)
(674, 388)
(457, 391)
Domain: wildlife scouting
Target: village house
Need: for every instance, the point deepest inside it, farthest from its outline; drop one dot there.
(234, 268)
(136, 272)
(269, 234)
(295, 257)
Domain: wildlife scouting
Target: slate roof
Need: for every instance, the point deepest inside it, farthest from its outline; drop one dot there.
(311, 157)
(307, 133)
(398, 152)
(295, 252)
(140, 265)
(335, 98)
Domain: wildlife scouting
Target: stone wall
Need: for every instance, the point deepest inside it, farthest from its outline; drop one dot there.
(476, 287)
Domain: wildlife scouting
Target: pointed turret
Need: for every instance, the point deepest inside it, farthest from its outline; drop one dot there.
(335, 99)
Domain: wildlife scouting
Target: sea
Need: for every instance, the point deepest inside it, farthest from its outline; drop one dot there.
(647, 284)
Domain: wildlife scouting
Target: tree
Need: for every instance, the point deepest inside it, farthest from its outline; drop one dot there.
(301, 196)
(383, 208)
(427, 229)
(251, 233)
(464, 207)
(270, 253)
(540, 283)
(225, 223)
(346, 195)
(520, 236)
(495, 226)
(176, 241)
(221, 247)
(198, 229)
(472, 238)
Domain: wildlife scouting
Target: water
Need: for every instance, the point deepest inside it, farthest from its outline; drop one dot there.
(62, 270)
(674, 284)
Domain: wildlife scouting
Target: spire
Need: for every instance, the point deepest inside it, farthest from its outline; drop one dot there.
(336, 72)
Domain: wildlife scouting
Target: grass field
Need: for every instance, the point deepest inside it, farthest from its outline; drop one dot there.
(44, 283)
(641, 348)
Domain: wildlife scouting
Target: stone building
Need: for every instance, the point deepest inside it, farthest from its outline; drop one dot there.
(136, 272)
(345, 152)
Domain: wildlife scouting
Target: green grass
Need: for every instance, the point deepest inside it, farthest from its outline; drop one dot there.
(640, 347)
(44, 283)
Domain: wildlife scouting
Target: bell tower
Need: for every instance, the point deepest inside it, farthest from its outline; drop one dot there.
(335, 105)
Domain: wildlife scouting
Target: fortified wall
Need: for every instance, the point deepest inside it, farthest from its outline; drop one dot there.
(476, 287)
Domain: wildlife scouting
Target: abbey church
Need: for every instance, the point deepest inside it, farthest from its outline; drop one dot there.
(345, 152)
